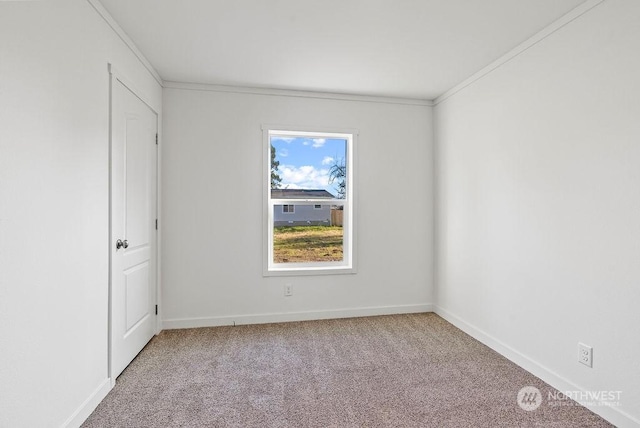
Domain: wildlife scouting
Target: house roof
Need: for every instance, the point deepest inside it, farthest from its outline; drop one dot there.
(301, 194)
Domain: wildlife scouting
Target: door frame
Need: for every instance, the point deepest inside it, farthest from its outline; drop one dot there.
(114, 77)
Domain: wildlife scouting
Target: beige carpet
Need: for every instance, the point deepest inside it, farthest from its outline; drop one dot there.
(390, 371)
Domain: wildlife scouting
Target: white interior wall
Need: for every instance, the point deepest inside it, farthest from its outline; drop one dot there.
(212, 220)
(54, 160)
(538, 201)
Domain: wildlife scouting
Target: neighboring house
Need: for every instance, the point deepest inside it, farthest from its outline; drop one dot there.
(302, 215)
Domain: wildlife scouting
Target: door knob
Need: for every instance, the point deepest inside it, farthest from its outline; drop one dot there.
(121, 244)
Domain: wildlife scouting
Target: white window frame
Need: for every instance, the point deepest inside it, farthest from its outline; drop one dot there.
(348, 264)
(291, 209)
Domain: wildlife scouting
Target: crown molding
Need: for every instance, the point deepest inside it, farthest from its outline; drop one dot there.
(522, 47)
(513, 53)
(295, 93)
(125, 38)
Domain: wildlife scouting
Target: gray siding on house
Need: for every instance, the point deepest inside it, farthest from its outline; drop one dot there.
(303, 215)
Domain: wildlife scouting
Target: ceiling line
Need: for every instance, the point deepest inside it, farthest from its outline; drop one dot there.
(100, 9)
(513, 53)
(297, 93)
(522, 47)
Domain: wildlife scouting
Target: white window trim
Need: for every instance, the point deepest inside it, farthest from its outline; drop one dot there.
(348, 265)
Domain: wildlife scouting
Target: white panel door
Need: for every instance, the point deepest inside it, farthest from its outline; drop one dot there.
(133, 228)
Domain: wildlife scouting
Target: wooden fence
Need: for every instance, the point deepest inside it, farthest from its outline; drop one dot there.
(336, 217)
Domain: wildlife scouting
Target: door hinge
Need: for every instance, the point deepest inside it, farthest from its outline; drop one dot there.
(156, 138)
(156, 224)
(156, 309)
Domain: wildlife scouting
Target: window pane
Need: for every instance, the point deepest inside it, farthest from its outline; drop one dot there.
(308, 167)
(306, 236)
(309, 226)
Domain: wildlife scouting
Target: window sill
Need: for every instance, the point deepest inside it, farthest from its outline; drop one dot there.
(309, 270)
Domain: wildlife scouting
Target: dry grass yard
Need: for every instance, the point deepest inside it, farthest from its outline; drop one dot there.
(307, 244)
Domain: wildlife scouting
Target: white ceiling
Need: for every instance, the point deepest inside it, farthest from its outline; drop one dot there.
(399, 48)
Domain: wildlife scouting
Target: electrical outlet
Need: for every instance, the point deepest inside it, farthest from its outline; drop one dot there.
(288, 290)
(585, 354)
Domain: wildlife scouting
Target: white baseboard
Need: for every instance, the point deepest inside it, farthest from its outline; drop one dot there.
(89, 405)
(170, 324)
(611, 414)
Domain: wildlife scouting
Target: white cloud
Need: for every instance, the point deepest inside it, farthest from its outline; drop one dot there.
(328, 160)
(319, 142)
(287, 140)
(283, 153)
(291, 186)
(304, 177)
(316, 143)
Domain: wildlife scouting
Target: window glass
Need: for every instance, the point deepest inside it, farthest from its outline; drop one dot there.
(307, 196)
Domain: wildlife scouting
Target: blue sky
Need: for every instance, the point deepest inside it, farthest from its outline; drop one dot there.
(305, 162)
